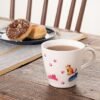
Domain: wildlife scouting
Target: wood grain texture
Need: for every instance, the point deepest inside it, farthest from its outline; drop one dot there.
(58, 14)
(80, 17)
(70, 15)
(29, 10)
(44, 13)
(70, 35)
(13, 56)
(3, 96)
(29, 82)
(32, 85)
(12, 9)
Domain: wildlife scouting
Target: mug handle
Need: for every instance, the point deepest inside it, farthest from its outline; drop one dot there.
(92, 59)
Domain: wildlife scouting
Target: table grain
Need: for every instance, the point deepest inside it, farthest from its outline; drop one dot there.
(29, 82)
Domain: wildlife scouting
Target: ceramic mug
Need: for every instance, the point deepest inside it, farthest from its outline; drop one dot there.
(62, 66)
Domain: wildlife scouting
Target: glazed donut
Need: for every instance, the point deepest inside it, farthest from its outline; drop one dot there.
(38, 32)
(18, 30)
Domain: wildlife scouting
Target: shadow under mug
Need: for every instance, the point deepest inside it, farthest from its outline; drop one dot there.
(62, 66)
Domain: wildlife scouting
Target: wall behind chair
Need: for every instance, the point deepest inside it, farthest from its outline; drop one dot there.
(91, 21)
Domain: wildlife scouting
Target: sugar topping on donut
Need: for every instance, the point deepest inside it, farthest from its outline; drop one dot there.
(17, 28)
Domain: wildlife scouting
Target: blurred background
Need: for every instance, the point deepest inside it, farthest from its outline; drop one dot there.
(91, 20)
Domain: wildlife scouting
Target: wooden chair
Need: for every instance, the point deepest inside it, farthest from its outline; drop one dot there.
(58, 14)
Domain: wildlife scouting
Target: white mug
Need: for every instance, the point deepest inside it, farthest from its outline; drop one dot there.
(62, 66)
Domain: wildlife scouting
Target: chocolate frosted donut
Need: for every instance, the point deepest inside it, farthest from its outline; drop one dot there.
(18, 30)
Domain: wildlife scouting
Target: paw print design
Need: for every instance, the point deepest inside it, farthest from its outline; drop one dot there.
(54, 60)
(50, 64)
(62, 72)
(62, 83)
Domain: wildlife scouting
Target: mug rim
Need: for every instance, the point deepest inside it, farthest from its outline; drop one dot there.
(43, 45)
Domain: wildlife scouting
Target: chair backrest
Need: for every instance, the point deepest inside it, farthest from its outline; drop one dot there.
(58, 13)
(12, 9)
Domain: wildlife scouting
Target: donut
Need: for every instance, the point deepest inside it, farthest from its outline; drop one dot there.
(18, 30)
(38, 32)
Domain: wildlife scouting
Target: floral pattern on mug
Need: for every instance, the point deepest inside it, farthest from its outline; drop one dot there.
(71, 72)
(53, 77)
(62, 83)
(62, 72)
(54, 60)
(50, 64)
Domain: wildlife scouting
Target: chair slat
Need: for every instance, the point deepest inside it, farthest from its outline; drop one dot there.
(58, 14)
(80, 17)
(12, 9)
(44, 13)
(29, 10)
(70, 15)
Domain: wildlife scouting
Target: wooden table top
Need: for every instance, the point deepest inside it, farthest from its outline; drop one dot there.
(29, 81)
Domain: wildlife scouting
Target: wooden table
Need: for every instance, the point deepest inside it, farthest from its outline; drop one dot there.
(29, 81)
